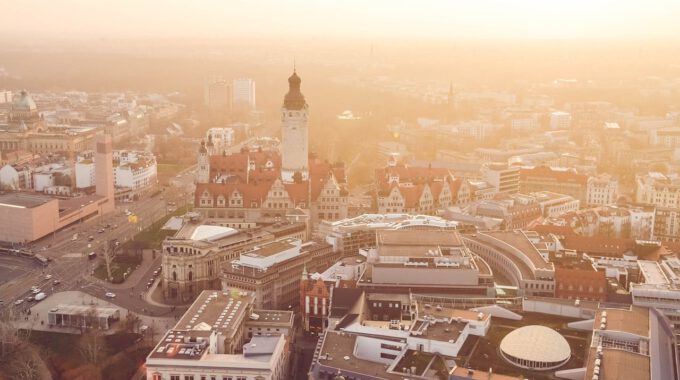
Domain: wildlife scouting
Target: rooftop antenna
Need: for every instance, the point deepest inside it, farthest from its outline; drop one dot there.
(294, 66)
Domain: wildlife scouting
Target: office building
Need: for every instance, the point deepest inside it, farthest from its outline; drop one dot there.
(243, 94)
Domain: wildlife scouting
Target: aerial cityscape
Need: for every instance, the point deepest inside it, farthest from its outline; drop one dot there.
(340, 190)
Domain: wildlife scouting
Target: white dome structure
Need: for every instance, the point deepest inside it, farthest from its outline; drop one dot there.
(536, 348)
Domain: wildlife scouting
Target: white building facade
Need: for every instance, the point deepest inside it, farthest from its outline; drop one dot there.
(294, 132)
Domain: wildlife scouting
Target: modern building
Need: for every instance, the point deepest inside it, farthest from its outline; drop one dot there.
(29, 217)
(351, 235)
(631, 343)
(211, 341)
(435, 261)
(216, 94)
(561, 181)
(560, 120)
(522, 257)
(104, 182)
(243, 94)
(134, 172)
(272, 271)
(536, 348)
(503, 178)
(380, 335)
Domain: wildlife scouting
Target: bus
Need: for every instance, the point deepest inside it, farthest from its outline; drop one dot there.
(41, 259)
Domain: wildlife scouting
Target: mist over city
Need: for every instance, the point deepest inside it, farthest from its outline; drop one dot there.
(263, 190)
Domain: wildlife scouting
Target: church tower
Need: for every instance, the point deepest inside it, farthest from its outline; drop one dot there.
(203, 173)
(294, 133)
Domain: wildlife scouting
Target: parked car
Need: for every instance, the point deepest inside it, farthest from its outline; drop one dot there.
(110, 295)
(40, 296)
(47, 277)
(29, 299)
(56, 282)
(35, 291)
(19, 301)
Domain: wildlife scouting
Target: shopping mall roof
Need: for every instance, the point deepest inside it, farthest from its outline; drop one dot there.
(536, 343)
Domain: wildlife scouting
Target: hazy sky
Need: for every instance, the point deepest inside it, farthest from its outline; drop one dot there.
(352, 18)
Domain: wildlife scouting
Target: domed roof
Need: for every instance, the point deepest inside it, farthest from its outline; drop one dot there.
(24, 103)
(294, 100)
(536, 344)
(202, 148)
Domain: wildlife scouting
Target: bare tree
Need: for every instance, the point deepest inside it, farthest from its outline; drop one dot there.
(92, 346)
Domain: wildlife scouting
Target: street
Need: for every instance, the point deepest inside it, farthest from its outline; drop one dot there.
(70, 267)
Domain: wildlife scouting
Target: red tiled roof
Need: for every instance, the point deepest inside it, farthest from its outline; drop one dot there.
(546, 173)
(415, 174)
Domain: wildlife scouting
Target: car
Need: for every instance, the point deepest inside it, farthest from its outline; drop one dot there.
(40, 297)
(128, 212)
(35, 291)
(110, 295)
(90, 238)
(33, 288)
(56, 282)
(143, 328)
(101, 231)
(47, 277)
(107, 226)
(155, 273)
(160, 269)
(19, 301)
(30, 299)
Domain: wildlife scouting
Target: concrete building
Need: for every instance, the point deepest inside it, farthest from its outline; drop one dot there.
(351, 235)
(377, 333)
(193, 257)
(210, 342)
(272, 271)
(29, 217)
(554, 204)
(560, 120)
(435, 261)
(561, 181)
(519, 256)
(216, 94)
(243, 94)
(504, 179)
(104, 182)
(633, 343)
(663, 192)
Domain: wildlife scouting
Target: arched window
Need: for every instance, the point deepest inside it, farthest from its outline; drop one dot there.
(191, 275)
(174, 276)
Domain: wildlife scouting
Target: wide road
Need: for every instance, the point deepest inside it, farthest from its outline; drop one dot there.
(68, 250)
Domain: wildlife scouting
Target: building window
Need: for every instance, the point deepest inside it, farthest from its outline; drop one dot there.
(174, 377)
(387, 356)
(188, 377)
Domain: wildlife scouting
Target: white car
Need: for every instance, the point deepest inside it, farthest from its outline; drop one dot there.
(49, 276)
(19, 301)
(110, 295)
(40, 296)
(35, 291)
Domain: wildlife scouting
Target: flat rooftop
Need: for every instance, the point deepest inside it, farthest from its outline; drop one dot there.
(69, 205)
(19, 200)
(633, 321)
(340, 349)
(419, 238)
(216, 310)
(273, 248)
(619, 364)
(274, 316)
